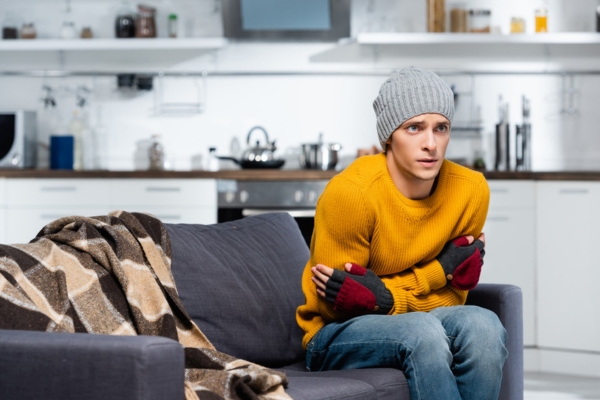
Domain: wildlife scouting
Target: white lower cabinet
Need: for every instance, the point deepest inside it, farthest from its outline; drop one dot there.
(510, 244)
(30, 204)
(568, 258)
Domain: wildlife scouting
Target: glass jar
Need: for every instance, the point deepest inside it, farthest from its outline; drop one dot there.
(479, 21)
(86, 33)
(9, 27)
(541, 20)
(517, 25)
(125, 21)
(67, 30)
(145, 26)
(28, 31)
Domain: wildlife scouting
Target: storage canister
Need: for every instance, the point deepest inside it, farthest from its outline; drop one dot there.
(480, 21)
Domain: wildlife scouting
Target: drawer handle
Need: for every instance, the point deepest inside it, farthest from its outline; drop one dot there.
(59, 189)
(171, 217)
(498, 218)
(163, 189)
(498, 190)
(573, 191)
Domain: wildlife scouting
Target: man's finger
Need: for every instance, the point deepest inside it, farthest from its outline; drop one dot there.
(320, 284)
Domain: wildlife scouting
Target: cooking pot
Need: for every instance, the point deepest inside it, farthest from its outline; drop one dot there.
(319, 155)
(257, 156)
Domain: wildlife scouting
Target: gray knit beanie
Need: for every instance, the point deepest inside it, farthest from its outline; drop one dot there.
(408, 93)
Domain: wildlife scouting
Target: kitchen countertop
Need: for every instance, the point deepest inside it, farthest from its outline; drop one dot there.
(270, 174)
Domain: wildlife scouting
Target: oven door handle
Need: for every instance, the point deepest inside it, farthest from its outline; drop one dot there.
(247, 212)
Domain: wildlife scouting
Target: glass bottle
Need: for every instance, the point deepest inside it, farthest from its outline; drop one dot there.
(172, 25)
(146, 23)
(541, 20)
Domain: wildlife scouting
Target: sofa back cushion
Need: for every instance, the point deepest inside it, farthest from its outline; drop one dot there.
(240, 282)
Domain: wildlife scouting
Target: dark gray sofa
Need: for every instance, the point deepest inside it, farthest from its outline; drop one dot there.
(240, 282)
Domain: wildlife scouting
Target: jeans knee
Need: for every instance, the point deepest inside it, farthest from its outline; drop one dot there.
(483, 335)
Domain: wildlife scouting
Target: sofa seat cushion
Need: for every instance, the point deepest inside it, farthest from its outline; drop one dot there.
(240, 282)
(387, 383)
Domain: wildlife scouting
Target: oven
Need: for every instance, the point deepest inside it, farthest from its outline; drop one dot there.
(239, 199)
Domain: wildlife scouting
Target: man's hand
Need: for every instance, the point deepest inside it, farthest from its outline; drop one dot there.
(356, 291)
(462, 259)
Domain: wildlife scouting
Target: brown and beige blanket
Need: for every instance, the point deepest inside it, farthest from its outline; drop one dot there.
(112, 275)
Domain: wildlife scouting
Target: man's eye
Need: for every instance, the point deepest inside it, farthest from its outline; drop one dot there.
(442, 128)
(413, 128)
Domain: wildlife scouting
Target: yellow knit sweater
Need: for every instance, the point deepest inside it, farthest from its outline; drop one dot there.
(362, 217)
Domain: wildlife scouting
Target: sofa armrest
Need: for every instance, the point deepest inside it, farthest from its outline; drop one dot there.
(507, 302)
(69, 366)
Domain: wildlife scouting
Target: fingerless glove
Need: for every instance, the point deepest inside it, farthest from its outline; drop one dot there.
(462, 262)
(358, 292)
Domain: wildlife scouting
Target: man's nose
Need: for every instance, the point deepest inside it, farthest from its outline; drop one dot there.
(429, 142)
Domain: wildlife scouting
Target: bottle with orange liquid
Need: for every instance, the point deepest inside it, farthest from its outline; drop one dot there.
(541, 20)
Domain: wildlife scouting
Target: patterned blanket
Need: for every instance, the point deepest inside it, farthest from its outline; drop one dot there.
(112, 275)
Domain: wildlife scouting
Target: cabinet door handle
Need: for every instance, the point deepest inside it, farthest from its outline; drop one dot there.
(59, 189)
(498, 218)
(167, 216)
(162, 189)
(573, 191)
(498, 190)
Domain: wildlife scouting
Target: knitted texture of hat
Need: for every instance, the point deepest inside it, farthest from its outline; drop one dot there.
(407, 93)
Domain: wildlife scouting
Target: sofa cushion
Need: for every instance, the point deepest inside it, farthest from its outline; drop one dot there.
(240, 282)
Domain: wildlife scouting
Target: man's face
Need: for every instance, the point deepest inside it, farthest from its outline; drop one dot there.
(416, 150)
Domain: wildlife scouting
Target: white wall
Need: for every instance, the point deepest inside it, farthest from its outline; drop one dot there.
(296, 108)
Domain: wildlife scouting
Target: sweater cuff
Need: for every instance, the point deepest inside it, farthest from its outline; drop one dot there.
(430, 276)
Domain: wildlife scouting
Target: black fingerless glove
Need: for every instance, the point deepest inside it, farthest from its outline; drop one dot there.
(358, 292)
(462, 262)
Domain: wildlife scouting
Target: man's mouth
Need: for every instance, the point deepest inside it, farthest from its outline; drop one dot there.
(427, 161)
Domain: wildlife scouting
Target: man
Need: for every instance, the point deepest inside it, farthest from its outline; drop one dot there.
(393, 255)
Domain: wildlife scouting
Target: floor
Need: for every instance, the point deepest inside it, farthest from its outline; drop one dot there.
(543, 386)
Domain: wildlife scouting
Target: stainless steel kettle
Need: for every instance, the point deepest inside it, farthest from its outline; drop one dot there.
(258, 156)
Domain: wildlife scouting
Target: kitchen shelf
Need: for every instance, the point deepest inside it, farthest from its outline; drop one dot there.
(135, 55)
(548, 51)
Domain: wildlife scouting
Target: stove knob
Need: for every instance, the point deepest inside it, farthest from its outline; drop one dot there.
(244, 196)
(312, 196)
(229, 197)
(298, 196)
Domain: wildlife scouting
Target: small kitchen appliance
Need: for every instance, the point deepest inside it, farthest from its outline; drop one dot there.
(18, 143)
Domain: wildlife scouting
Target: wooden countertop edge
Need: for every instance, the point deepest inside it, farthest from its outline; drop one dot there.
(283, 175)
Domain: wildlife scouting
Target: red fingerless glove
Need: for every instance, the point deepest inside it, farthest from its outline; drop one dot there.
(358, 292)
(462, 262)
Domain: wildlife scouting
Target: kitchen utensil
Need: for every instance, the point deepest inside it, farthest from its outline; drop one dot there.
(502, 161)
(319, 155)
(257, 156)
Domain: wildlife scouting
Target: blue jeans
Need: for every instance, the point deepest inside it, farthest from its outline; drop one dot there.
(448, 353)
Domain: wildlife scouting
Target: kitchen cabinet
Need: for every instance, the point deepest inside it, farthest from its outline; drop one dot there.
(102, 55)
(510, 244)
(171, 200)
(32, 203)
(568, 265)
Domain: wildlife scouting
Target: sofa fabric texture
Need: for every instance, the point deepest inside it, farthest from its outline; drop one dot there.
(240, 282)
